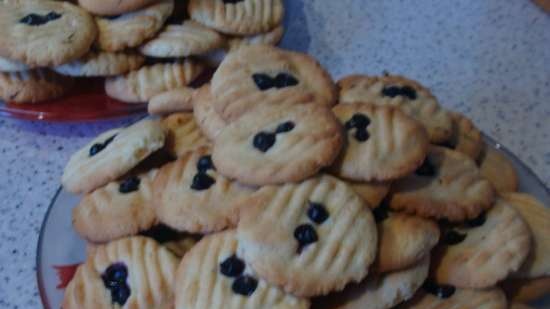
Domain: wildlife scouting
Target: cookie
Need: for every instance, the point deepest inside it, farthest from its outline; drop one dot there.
(208, 119)
(273, 37)
(191, 196)
(411, 97)
(537, 217)
(44, 33)
(465, 137)
(182, 134)
(447, 185)
(483, 251)
(187, 39)
(267, 74)
(172, 101)
(241, 17)
(140, 86)
(447, 297)
(543, 4)
(526, 290)
(379, 292)
(372, 192)
(382, 143)
(102, 64)
(310, 238)
(499, 170)
(119, 209)
(133, 272)
(278, 144)
(403, 240)
(213, 275)
(8, 65)
(132, 29)
(33, 86)
(113, 7)
(110, 155)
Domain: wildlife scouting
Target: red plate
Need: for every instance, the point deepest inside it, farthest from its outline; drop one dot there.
(86, 101)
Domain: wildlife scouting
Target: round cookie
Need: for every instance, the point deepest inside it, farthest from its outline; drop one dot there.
(278, 144)
(451, 298)
(111, 155)
(191, 196)
(243, 17)
(172, 101)
(8, 65)
(267, 74)
(113, 7)
(119, 209)
(372, 192)
(447, 185)
(383, 143)
(411, 97)
(310, 238)
(483, 251)
(273, 37)
(403, 240)
(132, 29)
(182, 134)
(526, 290)
(499, 170)
(466, 138)
(102, 64)
(140, 86)
(210, 122)
(213, 275)
(133, 272)
(190, 38)
(379, 292)
(44, 33)
(33, 86)
(537, 217)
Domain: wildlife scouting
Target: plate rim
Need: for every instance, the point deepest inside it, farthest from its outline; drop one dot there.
(38, 259)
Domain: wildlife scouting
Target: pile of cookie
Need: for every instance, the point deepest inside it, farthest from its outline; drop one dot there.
(142, 47)
(278, 188)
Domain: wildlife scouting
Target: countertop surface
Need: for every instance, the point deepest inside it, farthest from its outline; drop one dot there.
(488, 59)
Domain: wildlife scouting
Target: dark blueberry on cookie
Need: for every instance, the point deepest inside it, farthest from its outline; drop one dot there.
(232, 266)
(263, 141)
(452, 237)
(408, 92)
(120, 294)
(205, 163)
(284, 80)
(245, 285)
(39, 20)
(263, 81)
(202, 181)
(317, 213)
(305, 235)
(426, 169)
(478, 221)
(114, 279)
(439, 290)
(131, 184)
(394, 91)
(285, 127)
(361, 135)
(358, 121)
(98, 147)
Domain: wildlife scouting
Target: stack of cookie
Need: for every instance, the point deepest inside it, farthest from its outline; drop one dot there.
(142, 47)
(280, 189)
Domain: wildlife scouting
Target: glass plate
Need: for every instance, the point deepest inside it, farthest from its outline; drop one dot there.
(59, 247)
(86, 101)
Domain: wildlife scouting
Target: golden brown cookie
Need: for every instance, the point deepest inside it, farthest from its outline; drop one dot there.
(182, 134)
(310, 238)
(372, 192)
(33, 86)
(537, 217)
(210, 122)
(498, 169)
(213, 275)
(413, 98)
(172, 101)
(113, 7)
(466, 138)
(278, 144)
(447, 185)
(273, 37)
(483, 251)
(191, 196)
(102, 64)
(382, 143)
